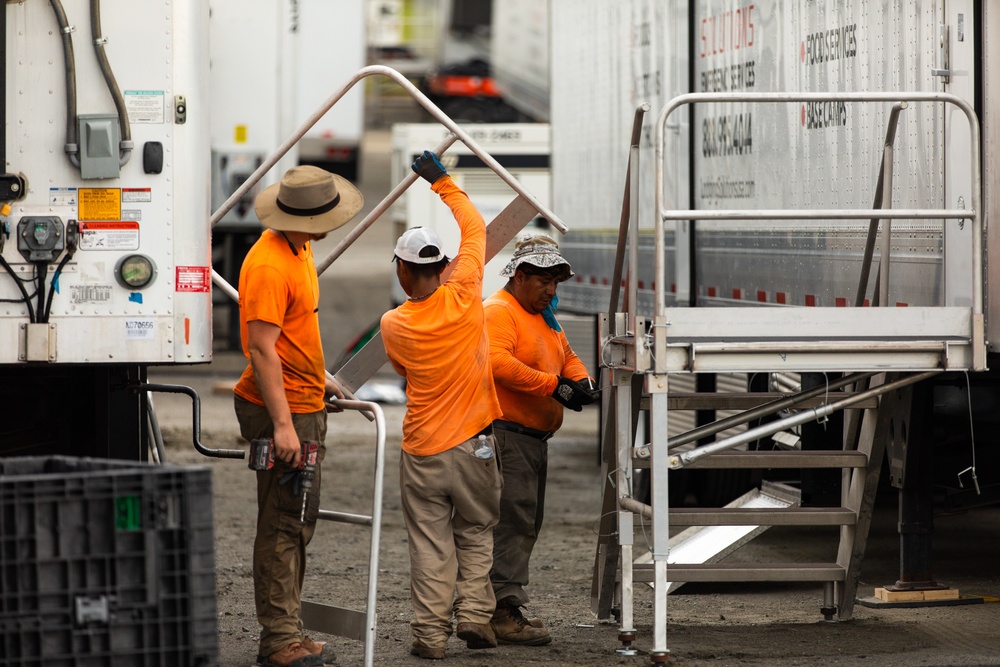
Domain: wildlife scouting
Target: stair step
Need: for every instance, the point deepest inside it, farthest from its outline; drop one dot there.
(783, 459)
(762, 516)
(731, 572)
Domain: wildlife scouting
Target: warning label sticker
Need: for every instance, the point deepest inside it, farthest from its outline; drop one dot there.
(100, 204)
(193, 279)
(132, 195)
(145, 106)
(119, 235)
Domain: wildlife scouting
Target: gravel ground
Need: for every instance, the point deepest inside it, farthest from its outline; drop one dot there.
(709, 624)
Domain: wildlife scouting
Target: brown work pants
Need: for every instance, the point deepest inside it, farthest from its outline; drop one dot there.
(450, 505)
(279, 550)
(524, 464)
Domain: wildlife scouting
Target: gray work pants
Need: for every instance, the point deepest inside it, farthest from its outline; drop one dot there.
(524, 466)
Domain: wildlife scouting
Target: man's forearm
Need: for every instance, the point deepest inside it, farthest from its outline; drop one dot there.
(267, 372)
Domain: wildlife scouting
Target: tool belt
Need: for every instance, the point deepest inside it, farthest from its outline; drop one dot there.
(523, 430)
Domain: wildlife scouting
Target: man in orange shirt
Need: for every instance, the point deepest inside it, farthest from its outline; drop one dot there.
(282, 393)
(536, 374)
(448, 477)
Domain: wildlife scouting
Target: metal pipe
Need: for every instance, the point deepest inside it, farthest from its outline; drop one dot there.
(866, 262)
(883, 268)
(763, 410)
(975, 214)
(683, 459)
(195, 419)
(623, 222)
(421, 99)
(818, 214)
(125, 143)
(635, 507)
(382, 207)
(376, 519)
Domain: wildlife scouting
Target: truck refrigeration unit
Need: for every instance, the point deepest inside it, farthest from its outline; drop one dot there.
(785, 142)
(105, 262)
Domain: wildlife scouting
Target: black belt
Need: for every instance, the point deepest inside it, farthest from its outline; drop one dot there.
(523, 430)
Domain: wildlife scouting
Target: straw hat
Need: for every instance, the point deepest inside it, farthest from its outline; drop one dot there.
(309, 200)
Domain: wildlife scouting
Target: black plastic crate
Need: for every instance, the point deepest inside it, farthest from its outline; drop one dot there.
(106, 562)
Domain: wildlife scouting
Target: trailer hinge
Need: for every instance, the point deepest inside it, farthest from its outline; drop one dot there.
(942, 70)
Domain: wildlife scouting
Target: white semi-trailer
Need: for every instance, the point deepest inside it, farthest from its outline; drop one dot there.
(760, 112)
(105, 192)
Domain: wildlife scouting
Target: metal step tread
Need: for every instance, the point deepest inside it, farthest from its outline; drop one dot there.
(746, 400)
(762, 516)
(704, 572)
(783, 459)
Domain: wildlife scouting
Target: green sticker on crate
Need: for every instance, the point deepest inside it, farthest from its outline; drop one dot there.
(127, 516)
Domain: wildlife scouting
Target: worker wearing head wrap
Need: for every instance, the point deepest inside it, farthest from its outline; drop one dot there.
(537, 374)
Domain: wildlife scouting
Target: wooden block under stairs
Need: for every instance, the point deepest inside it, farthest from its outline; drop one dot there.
(916, 595)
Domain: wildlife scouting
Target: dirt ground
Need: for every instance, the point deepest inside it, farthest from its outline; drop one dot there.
(709, 624)
(717, 624)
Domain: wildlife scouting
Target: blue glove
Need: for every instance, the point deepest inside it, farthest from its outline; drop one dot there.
(429, 167)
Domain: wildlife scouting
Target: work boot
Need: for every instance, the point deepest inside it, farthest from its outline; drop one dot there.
(477, 635)
(427, 652)
(315, 647)
(511, 627)
(292, 655)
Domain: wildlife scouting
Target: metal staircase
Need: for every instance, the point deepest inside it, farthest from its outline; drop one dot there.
(883, 351)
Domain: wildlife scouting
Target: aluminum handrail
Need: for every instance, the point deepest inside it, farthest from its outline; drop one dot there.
(421, 99)
(974, 214)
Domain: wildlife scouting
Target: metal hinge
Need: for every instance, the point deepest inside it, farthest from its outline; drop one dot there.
(943, 70)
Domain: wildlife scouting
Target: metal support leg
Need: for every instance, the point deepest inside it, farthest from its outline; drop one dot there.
(623, 481)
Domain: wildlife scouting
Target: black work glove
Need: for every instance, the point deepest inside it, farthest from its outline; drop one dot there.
(571, 394)
(590, 388)
(428, 167)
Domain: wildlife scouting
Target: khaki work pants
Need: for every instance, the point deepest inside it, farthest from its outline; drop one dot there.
(450, 506)
(279, 550)
(524, 464)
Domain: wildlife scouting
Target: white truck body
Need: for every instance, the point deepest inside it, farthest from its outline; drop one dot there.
(331, 49)
(254, 88)
(522, 148)
(608, 58)
(158, 52)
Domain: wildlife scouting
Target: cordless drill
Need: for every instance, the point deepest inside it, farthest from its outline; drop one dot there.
(262, 458)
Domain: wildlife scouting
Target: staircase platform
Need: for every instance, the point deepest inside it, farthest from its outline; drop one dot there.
(782, 339)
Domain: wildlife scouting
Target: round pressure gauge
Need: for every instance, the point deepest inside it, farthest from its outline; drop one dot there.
(135, 271)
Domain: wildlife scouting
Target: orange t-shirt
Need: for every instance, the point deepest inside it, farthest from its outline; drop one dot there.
(528, 356)
(439, 345)
(281, 288)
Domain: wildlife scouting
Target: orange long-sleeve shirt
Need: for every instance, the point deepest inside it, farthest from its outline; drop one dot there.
(527, 357)
(439, 345)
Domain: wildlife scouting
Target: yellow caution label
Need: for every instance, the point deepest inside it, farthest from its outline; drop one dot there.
(240, 134)
(100, 204)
